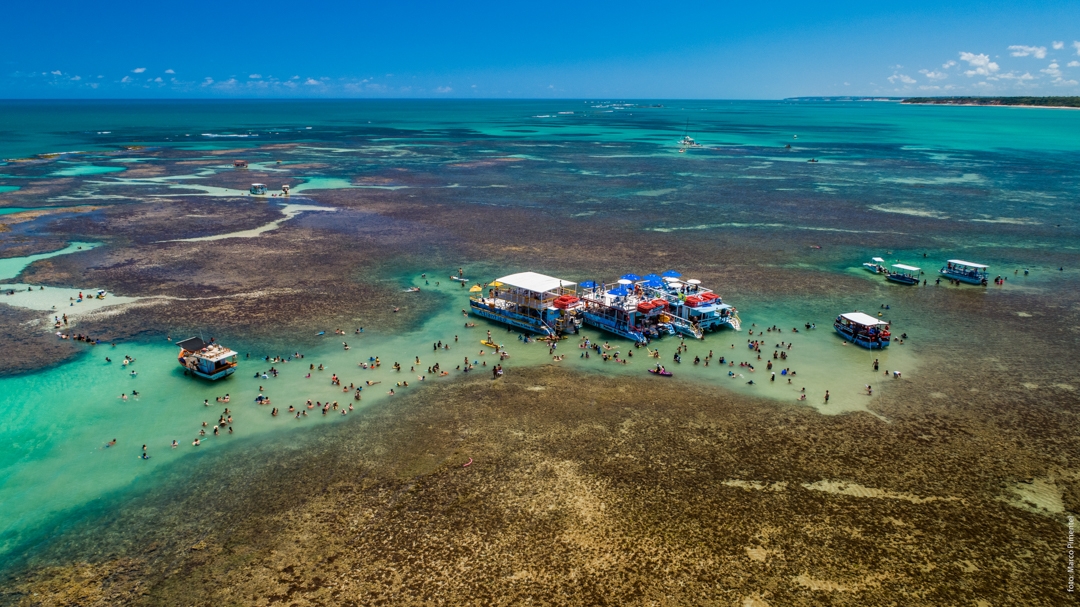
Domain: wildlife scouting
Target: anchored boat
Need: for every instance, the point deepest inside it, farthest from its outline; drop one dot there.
(695, 310)
(904, 274)
(206, 360)
(965, 271)
(531, 302)
(863, 330)
(876, 265)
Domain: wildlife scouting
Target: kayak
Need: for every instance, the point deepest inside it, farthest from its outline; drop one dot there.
(660, 373)
(489, 344)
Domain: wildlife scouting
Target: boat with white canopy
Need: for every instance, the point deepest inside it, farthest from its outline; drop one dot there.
(904, 274)
(863, 330)
(965, 271)
(875, 265)
(531, 302)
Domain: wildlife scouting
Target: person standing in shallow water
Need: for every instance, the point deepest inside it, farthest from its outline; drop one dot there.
(826, 396)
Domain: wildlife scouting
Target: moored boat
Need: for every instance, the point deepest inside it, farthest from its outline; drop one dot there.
(531, 302)
(208, 360)
(965, 271)
(863, 330)
(904, 274)
(875, 265)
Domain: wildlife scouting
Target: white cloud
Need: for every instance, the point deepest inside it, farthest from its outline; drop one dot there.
(443, 90)
(932, 75)
(138, 70)
(902, 78)
(980, 64)
(77, 78)
(1019, 50)
(208, 81)
(255, 76)
(1073, 64)
(929, 88)
(948, 64)
(93, 85)
(126, 79)
(1058, 45)
(158, 79)
(169, 72)
(1053, 70)
(56, 72)
(312, 82)
(1076, 45)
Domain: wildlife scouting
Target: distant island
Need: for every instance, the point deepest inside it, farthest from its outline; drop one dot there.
(1016, 101)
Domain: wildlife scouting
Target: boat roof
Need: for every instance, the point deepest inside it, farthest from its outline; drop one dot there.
(863, 319)
(257, 184)
(906, 267)
(192, 344)
(877, 259)
(957, 262)
(531, 281)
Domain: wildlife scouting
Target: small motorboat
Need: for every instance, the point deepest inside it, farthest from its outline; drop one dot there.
(660, 372)
(876, 265)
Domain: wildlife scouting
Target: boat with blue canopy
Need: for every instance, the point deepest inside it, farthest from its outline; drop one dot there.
(863, 330)
(904, 274)
(965, 271)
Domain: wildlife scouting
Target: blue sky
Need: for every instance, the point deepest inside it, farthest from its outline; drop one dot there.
(630, 49)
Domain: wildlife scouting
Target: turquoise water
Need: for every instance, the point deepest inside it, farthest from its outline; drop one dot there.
(1010, 172)
(10, 210)
(59, 126)
(8, 188)
(83, 170)
(52, 447)
(12, 266)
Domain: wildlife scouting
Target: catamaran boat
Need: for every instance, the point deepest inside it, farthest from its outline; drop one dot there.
(531, 302)
(965, 271)
(621, 309)
(206, 360)
(694, 309)
(904, 274)
(863, 330)
(876, 265)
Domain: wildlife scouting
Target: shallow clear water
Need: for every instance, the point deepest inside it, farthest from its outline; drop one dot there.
(1009, 171)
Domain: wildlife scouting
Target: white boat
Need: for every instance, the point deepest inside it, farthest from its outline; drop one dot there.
(965, 271)
(206, 360)
(876, 265)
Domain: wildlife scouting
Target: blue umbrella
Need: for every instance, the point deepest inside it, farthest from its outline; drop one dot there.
(655, 283)
(672, 273)
(619, 291)
(630, 277)
(651, 277)
(588, 284)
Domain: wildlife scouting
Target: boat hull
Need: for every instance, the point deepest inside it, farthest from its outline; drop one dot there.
(216, 375)
(514, 320)
(971, 280)
(878, 344)
(599, 322)
(901, 279)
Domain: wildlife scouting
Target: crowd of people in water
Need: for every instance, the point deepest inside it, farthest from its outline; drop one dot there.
(774, 365)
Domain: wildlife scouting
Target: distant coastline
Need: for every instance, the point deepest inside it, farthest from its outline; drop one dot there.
(1064, 103)
(1071, 103)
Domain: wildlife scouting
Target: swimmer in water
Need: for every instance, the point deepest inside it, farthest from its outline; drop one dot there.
(111, 443)
(174, 445)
